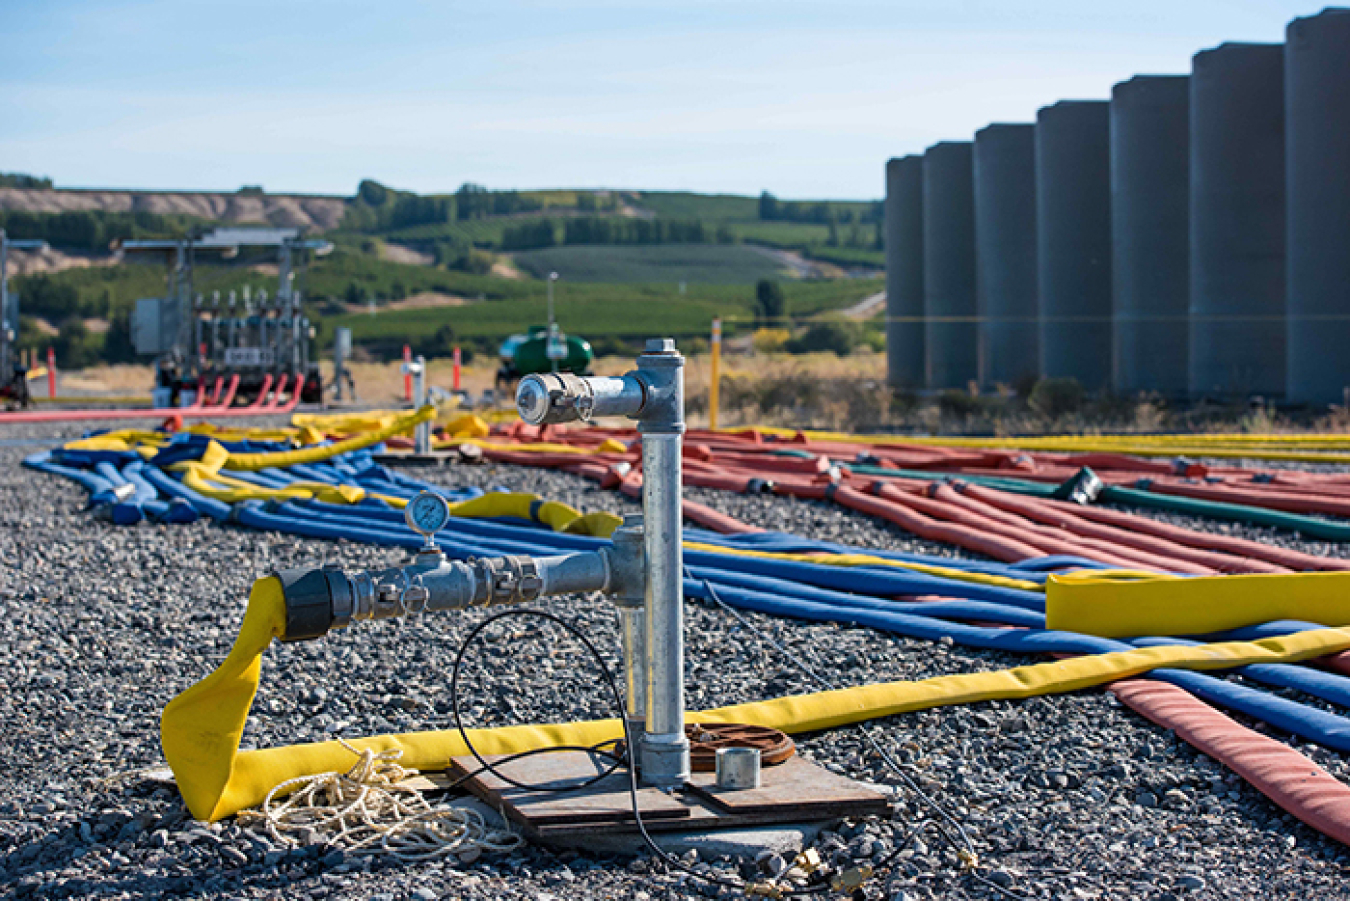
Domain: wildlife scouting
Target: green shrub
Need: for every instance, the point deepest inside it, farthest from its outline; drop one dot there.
(1053, 398)
(833, 335)
(958, 403)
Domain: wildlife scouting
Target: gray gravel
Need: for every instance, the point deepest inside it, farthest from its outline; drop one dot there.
(1066, 797)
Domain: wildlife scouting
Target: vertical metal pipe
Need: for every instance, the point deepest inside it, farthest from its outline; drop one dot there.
(664, 759)
(715, 374)
(422, 434)
(629, 578)
(632, 631)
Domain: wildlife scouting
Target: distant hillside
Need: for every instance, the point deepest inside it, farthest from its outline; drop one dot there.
(283, 210)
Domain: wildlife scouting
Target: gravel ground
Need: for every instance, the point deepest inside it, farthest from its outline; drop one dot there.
(1067, 797)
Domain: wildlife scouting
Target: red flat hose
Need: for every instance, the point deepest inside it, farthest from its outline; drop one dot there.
(1060, 517)
(1291, 780)
(1046, 544)
(977, 540)
(1086, 545)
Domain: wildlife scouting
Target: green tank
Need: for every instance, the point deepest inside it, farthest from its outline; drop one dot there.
(529, 353)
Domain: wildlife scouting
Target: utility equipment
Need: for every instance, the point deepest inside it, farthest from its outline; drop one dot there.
(265, 341)
(13, 374)
(543, 349)
(642, 572)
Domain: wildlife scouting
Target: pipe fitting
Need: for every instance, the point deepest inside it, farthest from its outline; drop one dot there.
(661, 372)
(321, 599)
(555, 397)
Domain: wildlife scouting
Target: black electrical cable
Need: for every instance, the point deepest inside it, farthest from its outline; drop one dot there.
(625, 760)
(885, 755)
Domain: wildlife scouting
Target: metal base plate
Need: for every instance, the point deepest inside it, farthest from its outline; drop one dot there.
(791, 792)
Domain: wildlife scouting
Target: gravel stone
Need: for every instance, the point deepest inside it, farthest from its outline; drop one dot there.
(101, 625)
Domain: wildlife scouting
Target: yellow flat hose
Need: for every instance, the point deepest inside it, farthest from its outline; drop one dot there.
(120, 439)
(466, 425)
(555, 515)
(200, 728)
(346, 422)
(1100, 605)
(1289, 448)
(282, 459)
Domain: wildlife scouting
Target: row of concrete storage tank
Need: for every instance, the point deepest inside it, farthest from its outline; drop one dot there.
(1189, 237)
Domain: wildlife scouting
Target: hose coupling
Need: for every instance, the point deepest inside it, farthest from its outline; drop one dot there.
(511, 580)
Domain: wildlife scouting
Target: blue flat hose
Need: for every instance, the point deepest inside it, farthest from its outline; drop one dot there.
(95, 484)
(945, 609)
(1315, 725)
(1324, 728)
(218, 510)
(865, 580)
(1331, 687)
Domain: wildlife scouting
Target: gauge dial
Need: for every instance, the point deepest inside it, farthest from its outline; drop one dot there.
(427, 513)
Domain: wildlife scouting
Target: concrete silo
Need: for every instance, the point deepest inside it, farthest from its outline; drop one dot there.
(1005, 257)
(1150, 228)
(904, 273)
(1073, 240)
(1317, 143)
(1237, 328)
(949, 265)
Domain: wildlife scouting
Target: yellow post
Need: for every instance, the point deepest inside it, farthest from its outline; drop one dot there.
(716, 376)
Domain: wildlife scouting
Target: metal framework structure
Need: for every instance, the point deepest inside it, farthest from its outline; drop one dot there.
(257, 337)
(13, 375)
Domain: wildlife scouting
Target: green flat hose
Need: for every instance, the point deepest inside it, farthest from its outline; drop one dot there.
(1312, 526)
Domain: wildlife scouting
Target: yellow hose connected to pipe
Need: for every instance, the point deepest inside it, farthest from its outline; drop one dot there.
(200, 728)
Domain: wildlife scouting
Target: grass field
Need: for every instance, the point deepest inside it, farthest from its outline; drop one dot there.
(481, 232)
(780, 234)
(673, 263)
(848, 256)
(721, 207)
(599, 310)
(687, 205)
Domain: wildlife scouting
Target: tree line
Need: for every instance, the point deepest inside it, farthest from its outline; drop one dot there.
(91, 230)
(819, 212)
(19, 180)
(612, 230)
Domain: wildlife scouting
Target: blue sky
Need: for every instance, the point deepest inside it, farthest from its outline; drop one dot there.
(803, 99)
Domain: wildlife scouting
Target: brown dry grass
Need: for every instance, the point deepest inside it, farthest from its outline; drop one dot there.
(819, 391)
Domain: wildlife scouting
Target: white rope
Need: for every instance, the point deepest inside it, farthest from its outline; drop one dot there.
(368, 810)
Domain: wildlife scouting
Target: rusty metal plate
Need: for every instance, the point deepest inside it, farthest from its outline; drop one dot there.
(797, 787)
(607, 801)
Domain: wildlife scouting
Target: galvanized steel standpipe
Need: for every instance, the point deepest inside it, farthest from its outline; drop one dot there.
(422, 433)
(654, 396)
(641, 571)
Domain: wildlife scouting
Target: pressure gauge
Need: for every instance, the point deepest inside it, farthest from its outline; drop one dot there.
(427, 514)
